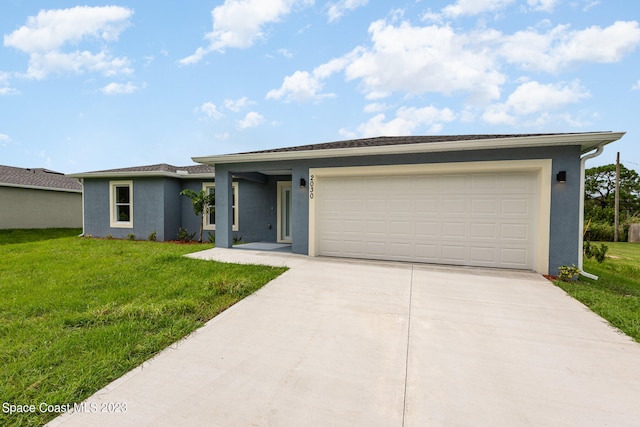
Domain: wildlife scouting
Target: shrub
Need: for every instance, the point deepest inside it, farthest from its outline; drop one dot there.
(568, 274)
(599, 252)
(598, 231)
(131, 236)
(212, 237)
(152, 236)
(184, 235)
(237, 239)
(109, 236)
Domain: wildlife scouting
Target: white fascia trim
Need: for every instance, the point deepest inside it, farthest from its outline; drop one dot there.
(542, 167)
(35, 187)
(120, 175)
(587, 142)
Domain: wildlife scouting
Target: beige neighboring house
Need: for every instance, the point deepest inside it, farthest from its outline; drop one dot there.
(39, 198)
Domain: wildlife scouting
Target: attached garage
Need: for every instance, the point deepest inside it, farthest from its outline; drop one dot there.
(506, 201)
(486, 214)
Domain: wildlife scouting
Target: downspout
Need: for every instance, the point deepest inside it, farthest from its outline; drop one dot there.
(82, 183)
(583, 160)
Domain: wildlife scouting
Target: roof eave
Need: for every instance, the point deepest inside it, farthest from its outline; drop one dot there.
(36, 187)
(587, 142)
(141, 174)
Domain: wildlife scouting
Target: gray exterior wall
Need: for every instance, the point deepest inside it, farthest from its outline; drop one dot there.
(157, 206)
(258, 209)
(31, 208)
(565, 197)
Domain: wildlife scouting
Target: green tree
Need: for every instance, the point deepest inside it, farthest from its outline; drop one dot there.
(202, 202)
(600, 187)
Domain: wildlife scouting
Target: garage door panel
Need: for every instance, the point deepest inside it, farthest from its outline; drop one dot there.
(428, 229)
(515, 232)
(464, 219)
(485, 255)
(454, 206)
(377, 249)
(454, 254)
(483, 231)
(427, 205)
(452, 230)
(515, 206)
(514, 257)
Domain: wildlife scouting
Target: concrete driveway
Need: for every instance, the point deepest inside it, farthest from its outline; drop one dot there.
(357, 343)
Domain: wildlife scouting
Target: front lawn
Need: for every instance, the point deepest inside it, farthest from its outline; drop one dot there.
(77, 313)
(616, 294)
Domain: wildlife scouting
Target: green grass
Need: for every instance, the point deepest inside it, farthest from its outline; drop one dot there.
(615, 296)
(77, 313)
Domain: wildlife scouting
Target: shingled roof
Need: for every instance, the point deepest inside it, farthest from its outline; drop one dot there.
(38, 178)
(162, 169)
(395, 140)
(389, 145)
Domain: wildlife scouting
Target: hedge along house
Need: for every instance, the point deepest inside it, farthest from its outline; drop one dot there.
(143, 199)
(39, 198)
(506, 201)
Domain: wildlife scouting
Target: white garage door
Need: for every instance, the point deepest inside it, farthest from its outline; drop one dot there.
(463, 219)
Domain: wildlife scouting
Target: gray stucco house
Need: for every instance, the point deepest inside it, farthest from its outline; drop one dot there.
(143, 199)
(506, 201)
(39, 198)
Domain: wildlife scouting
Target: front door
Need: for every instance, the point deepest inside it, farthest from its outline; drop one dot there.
(284, 211)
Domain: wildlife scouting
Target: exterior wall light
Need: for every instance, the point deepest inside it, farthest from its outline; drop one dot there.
(303, 182)
(561, 176)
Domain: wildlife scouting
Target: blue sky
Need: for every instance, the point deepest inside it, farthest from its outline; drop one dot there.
(93, 85)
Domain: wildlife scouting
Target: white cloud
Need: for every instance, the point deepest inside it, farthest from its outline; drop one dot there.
(44, 36)
(252, 119)
(240, 23)
(534, 98)
(475, 7)
(4, 91)
(375, 107)
(411, 60)
(406, 122)
(236, 105)
(210, 110)
(339, 8)
(560, 47)
(636, 86)
(435, 59)
(4, 139)
(285, 53)
(543, 5)
(120, 88)
(299, 87)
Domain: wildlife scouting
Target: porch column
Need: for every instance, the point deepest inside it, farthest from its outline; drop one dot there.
(300, 211)
(224, 208)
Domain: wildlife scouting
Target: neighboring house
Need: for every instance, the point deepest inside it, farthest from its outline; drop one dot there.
(507, 201)
(39, 198)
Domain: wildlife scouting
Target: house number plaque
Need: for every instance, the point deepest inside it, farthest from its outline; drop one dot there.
(311, 184)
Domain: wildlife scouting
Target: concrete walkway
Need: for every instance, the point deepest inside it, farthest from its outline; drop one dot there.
(357, 343)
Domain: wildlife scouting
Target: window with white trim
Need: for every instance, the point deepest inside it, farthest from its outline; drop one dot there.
(210, 215)
(121, 204)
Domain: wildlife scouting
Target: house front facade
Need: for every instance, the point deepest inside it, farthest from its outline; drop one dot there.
(141, 200)
(504, 201)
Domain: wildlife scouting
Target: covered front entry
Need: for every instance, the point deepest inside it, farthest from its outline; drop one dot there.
(474, 217)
